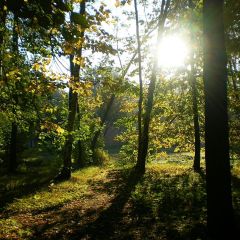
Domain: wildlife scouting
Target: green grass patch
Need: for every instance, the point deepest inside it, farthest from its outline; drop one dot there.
(55, 195)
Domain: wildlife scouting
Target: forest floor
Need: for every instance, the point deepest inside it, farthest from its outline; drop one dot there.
(109, 202)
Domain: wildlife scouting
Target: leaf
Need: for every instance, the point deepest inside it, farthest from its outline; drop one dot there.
(60, 130)
(117, 3)
(80, 19)
(36, 66)
(36, 196)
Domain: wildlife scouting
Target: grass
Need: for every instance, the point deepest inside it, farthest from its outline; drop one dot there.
(56, 195)
(37, 168)
(109, 202)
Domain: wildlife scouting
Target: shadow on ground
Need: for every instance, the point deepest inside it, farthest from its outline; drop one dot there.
(156, 208)
(99, 222)
(9, 195)
(127, 205)
(35, 172)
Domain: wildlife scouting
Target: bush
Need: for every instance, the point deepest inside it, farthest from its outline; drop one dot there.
(100, 157)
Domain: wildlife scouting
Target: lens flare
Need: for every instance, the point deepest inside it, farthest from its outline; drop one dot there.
(172, 52)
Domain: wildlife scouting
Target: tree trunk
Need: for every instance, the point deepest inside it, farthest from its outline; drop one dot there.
(12, 166)
(72, 109)
(197, 141)
(124, 73)
(220, 221)
(67, 153)
(140, 83)
(146, 122)
(140, 166)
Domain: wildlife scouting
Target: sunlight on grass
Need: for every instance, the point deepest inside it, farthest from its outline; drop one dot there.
(168, 168)
(170, 195)
(58, 194)
(52, 197)
(14, 229)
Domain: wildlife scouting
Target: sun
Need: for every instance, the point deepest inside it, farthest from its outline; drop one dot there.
(172, 52)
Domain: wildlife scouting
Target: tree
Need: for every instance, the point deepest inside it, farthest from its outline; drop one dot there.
(149, 103)
(73, 99)
(14, 131)
(232, 31)
(17, 77)
(140, 82)
(220, 222)
(197, 141)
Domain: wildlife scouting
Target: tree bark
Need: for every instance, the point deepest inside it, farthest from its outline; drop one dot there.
(220, 222)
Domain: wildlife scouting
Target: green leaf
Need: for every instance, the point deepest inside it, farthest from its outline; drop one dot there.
(80, 19)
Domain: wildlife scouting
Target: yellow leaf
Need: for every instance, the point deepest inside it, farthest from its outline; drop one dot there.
(117, 3)
(60, 130)
(36, 66)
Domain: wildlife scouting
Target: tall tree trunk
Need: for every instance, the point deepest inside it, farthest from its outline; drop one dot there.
(218, 177)
(72, 109)
(140, 83)
(67, 151)
(140, 166)
(12, 165)
(197, 141)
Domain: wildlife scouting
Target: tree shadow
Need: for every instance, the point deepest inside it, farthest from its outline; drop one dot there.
(163, 206)
(175, 211)
(176, 217)
(21, 190)
(35, 171)
(106, 224)
(95, 223)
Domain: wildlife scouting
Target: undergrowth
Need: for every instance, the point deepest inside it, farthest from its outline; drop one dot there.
(168, 202)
